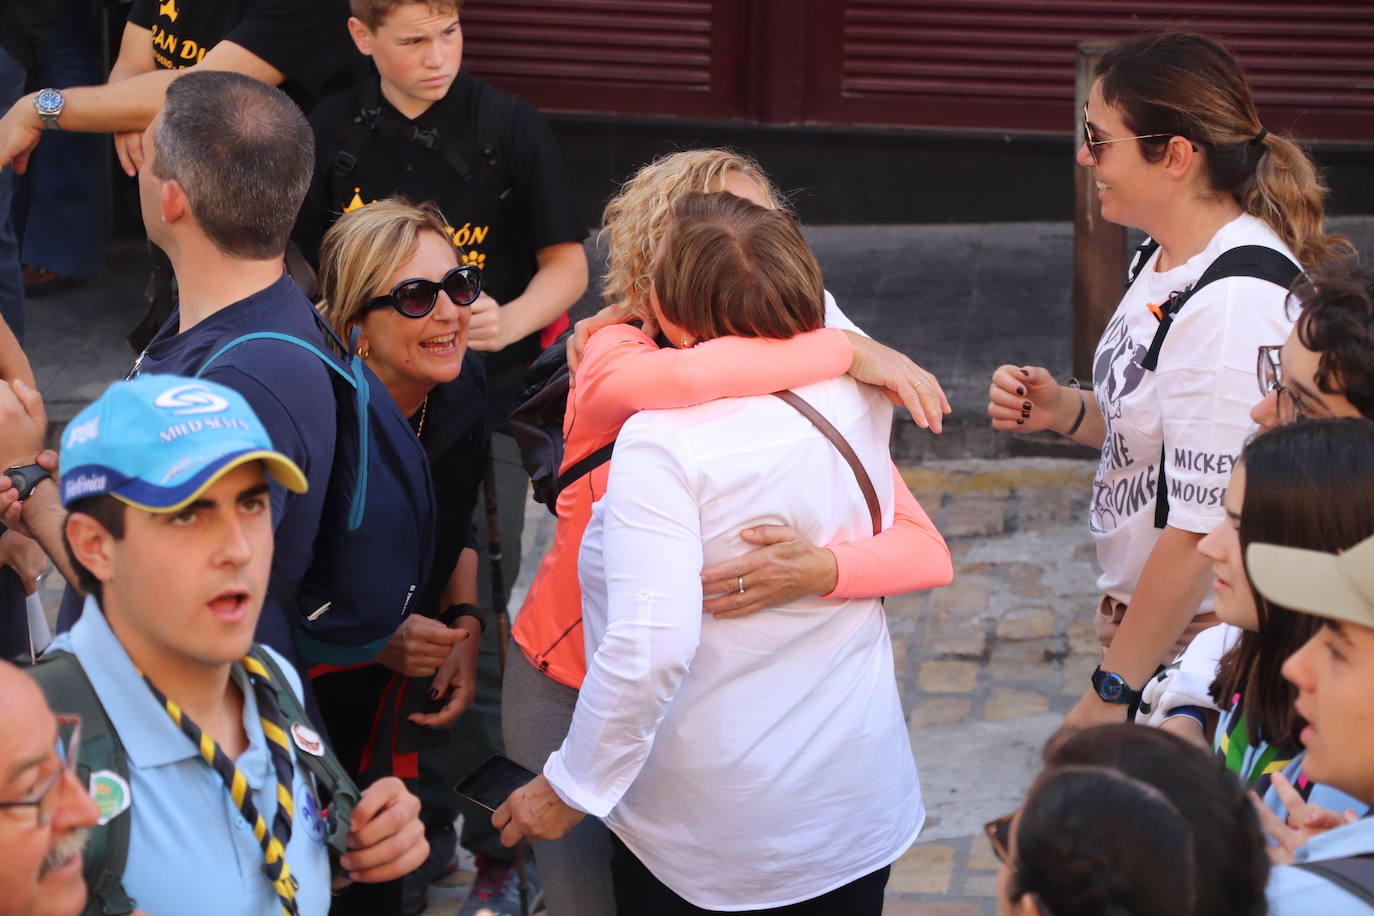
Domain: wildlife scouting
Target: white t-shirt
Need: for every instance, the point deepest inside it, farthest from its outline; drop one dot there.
(1196, 405)
(755, 762)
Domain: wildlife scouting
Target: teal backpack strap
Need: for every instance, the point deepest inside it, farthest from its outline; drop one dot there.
(69, 690)
(352, 376)
(330, 776)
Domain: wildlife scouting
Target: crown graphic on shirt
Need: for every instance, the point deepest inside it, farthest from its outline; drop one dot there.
(168, 8)
(356, 203)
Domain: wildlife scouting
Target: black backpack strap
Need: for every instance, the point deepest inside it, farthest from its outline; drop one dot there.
(1142, 254)
(330, 776)
(1245, 261)
(353, 139)
(582, 468)
(69, 690)
(495, 115)
(1353, 874)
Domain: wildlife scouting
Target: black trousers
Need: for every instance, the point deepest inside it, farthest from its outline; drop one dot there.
(639, 893)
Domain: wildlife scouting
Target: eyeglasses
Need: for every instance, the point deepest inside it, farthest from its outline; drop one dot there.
(415, 298)
(68, 753)
(999, 835)
(1269, 373)
(1090, 137)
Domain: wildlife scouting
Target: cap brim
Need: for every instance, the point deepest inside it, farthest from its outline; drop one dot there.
(152, 498)
(1310, 581)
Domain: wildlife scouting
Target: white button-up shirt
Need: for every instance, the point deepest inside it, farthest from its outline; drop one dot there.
(753, 762)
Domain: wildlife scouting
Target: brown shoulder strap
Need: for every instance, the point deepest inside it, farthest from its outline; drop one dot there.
(845, 449)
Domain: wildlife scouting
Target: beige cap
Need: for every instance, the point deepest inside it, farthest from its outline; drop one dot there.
(1338, 586)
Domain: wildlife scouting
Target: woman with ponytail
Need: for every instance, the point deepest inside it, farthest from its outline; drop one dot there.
(1178, 150)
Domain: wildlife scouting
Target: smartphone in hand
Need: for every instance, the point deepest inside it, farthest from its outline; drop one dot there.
(491, 784)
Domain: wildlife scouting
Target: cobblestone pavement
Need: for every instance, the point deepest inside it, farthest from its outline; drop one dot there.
(986, 667)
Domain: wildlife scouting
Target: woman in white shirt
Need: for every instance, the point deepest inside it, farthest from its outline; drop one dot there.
(751, 764)
(1177, 149)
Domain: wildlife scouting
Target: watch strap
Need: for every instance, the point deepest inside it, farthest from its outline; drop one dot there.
(26, 477)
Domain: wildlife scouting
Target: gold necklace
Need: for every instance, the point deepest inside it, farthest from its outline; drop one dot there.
(424, 409)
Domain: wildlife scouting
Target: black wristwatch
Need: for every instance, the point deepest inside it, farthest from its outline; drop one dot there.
(25, 477)
(1112, 688)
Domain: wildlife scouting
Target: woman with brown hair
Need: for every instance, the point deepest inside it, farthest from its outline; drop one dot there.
(749, 763)
(1177, 149)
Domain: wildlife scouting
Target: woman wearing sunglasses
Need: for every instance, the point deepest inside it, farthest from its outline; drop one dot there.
(391, 283)
(1128, 820)
(1177, 149)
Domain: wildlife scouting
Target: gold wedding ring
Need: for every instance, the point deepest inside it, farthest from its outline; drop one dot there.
(740, 579)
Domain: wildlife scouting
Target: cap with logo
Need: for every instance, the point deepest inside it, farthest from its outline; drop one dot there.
(1338, 586)
(158, 441)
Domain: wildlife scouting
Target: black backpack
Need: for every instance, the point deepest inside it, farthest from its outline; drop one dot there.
(69, 690)
(1245, 261)
(374, 548)
(490, 151)
(537, 426)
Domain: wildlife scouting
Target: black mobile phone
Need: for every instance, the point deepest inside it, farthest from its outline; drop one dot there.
(491, 784)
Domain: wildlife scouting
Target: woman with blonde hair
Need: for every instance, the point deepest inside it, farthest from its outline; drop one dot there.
(391, 283)
(1177, 149)
(622, 371)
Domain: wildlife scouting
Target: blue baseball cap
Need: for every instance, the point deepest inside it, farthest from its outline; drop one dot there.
(158, 441)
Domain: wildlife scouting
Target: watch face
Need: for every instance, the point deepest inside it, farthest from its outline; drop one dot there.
(1110, 689)
(49, 101)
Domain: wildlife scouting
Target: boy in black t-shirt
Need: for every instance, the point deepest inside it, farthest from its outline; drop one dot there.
(419, 128)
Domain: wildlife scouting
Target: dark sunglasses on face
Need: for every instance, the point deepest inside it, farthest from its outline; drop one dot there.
(415, 298)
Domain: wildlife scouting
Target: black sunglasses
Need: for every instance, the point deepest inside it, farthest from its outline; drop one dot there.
(415, 298)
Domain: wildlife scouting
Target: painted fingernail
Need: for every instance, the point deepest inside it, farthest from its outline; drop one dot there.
(1020, 390)
(1026, 373)
(1026, 406)
(433, 694)
(1019, 422)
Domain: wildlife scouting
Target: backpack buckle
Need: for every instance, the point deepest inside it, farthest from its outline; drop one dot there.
(429, 139)
(344, 163)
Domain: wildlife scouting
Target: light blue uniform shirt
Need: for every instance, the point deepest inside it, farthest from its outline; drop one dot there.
(190, 850)
(1299, 892)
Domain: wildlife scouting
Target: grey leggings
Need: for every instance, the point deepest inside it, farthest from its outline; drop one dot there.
(536, 712)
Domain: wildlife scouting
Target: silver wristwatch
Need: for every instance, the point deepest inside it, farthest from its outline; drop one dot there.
(49, 104)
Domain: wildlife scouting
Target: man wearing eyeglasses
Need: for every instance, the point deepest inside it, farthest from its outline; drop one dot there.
(45, 811)
(1326, 367)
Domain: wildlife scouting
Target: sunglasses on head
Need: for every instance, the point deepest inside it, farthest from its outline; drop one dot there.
(415, 298)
